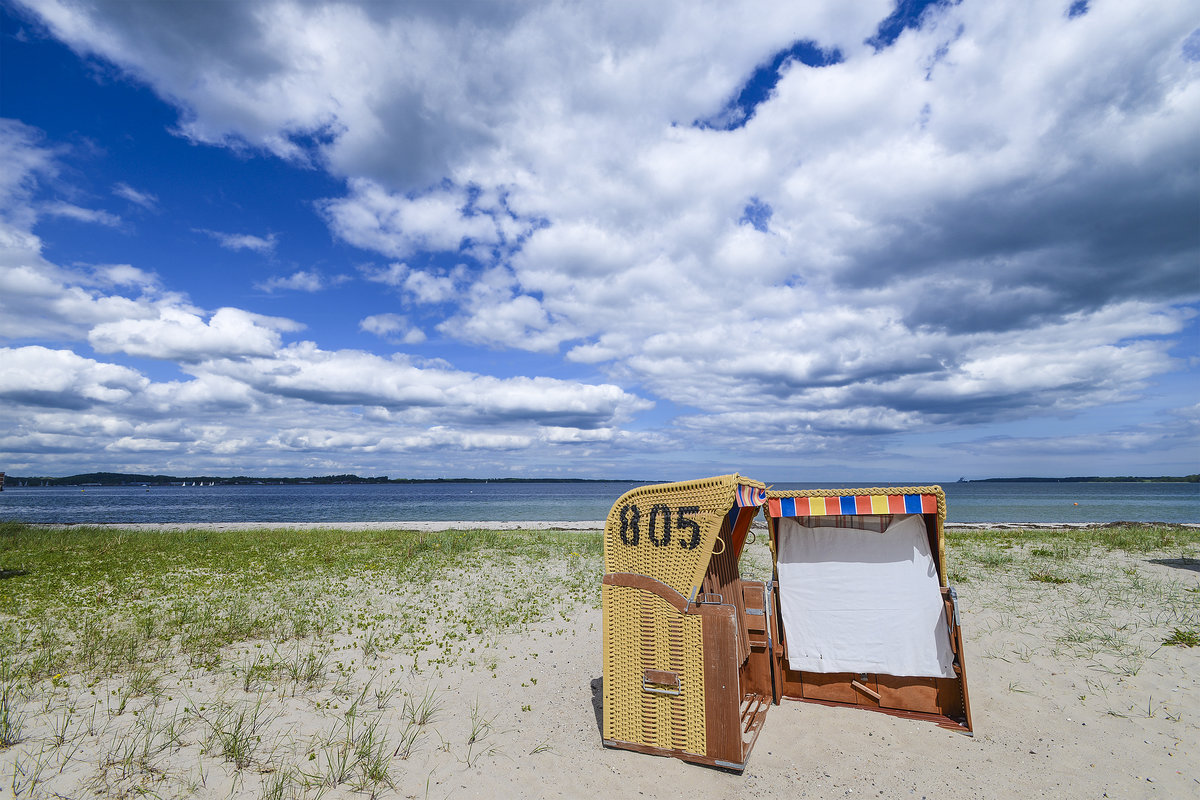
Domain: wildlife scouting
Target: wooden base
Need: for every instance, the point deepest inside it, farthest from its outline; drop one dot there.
(941, 720)
(753, 713)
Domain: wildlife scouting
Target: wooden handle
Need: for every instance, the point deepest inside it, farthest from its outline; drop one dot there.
(871, 693)
(657, 681)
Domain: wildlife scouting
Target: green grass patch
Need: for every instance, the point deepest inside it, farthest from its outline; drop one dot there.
(1189, 637)
(107, 601)
(1128, 537)
(1048, 577)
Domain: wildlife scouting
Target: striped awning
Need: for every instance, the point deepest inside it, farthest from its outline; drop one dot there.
(852, 504)
(749, 496)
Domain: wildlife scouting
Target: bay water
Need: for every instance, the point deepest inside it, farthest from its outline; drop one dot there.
(528, 502)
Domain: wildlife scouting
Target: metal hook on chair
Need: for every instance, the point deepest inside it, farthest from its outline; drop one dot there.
(722, 550)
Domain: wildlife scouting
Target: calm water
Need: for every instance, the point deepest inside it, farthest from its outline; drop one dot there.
(967, 502)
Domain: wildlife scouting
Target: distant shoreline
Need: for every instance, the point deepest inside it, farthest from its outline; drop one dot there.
(122, 479)
(133, 479)
(1091, 479)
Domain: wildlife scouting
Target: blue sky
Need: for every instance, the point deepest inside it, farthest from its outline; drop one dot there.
(884, 242)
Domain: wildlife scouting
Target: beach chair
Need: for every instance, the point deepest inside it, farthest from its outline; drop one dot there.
(687, 655)
(865, 615)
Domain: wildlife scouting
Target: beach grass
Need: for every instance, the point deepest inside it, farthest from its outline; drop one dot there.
(181, 646)
(99, 601)
(286, 663)
(1088, 593)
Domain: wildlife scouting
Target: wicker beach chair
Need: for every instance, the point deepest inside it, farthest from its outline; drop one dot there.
(865, 615)
(687, 662)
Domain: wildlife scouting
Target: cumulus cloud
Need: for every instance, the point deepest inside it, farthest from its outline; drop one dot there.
(40, 300)
(420, 286)
(356, 378)
(392, 327)
(985, 216)
(399, 225)
(179, 335)
(245, 389)
(38, 376)
(300, 403)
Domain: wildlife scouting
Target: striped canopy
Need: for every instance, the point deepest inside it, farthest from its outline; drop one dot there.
(852, 504)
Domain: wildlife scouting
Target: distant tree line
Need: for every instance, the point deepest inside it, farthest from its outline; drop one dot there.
(1093, 479)
(133, 479)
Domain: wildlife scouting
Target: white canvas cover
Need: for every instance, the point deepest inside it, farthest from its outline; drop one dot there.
(861, 601)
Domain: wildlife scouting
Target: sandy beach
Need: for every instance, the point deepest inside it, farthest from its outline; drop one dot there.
(1074, 695)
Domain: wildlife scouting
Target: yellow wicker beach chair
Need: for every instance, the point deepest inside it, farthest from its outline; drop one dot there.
(687, 661)
(865, 614)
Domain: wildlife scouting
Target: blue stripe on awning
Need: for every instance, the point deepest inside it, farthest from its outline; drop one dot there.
(848, 505)
(912, 503)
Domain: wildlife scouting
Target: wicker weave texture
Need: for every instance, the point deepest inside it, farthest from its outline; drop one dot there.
(667, 531)
(642, 631)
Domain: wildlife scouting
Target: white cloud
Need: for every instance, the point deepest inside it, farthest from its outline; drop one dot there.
(302, 281)
(399, 225)
(355, 378)
(425, 287)
(26, 160)
(302, 402)
(180, 335)
(392, 327)
(37, 299)
(127, 275)
(244, 385)
(392, 275)
(243, 241)
(79, 214)
(146, 200)
(420, 286)
(38, 376)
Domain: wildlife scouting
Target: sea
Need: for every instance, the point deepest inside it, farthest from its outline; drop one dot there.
(529, 502)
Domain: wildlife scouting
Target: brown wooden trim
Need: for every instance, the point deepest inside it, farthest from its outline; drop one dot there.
(683, 755)
(940, 719)
(722, 692)
(636, 581)
(960, 659)
(662, 677)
